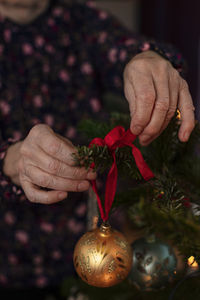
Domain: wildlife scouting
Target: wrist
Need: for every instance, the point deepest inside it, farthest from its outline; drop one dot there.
(10, 166)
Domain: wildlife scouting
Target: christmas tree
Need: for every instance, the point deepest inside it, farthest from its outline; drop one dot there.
(159, 212)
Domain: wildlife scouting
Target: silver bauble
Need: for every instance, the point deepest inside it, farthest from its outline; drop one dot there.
(154, 264)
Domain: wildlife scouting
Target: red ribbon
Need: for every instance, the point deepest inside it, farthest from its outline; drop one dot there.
(117, 138)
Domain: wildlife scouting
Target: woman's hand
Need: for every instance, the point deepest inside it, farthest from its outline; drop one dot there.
(154, 90)
(45, 161)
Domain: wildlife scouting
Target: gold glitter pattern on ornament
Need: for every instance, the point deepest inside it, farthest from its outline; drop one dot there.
(102, 257)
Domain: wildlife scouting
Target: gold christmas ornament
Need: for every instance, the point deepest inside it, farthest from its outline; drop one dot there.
(103, 257)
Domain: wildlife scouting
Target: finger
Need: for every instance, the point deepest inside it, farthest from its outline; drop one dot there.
(173, 98)
(42, 179)
(130, 96)
(56, 167)
(186, 108)
(55, 146)
(145, 98)
(36, 195)
(160, 109)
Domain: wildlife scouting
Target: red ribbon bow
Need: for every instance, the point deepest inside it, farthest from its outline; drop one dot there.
(117, 138)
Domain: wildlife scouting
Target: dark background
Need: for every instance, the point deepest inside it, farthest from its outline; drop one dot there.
(177, 22)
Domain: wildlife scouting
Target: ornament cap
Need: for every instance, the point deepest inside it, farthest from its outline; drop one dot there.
(105, 228)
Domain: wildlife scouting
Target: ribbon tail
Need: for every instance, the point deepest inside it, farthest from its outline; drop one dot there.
(111, 185)
(141, 164)
(94, 187)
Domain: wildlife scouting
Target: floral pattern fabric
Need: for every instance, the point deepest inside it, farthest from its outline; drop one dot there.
(54, 71)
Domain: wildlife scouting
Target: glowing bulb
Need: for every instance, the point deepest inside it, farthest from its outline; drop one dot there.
(192, 262)
(178, 114)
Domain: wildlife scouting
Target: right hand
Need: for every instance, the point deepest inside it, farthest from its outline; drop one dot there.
(46, 162)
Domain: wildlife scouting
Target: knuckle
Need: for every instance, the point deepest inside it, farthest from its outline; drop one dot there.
(163, 64)
(54, 147)
(171, 112)
(20, 166)
(24, 149)
(53, 166)
(36, 130)
(44, 181)
(163, 105)
(147, 98)
(76, 173)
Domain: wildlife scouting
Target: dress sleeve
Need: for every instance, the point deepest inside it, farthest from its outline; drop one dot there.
(112, 46)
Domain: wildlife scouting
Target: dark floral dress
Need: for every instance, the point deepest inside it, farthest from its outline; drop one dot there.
(55, 71)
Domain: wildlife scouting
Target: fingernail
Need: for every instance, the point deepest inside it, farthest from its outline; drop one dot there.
(145, 138)
(136, 129)
(62, 195)
(83, 186)
(91, 175)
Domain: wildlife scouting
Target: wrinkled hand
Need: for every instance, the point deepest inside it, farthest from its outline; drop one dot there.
(154, 90)
(46, 161)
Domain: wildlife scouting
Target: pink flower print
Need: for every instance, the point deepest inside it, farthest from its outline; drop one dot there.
(86, 68)
(130, 42)
(38, 270)
(179, 56)
(17, 135)
(168, 54)
(73, 105)
(57, 11)
(45, 89)
(3, 183)
(81, 210)
(4, 107)
(71, 132)
(64, 75)
(145, 47)
(37, 101)
(1, 49)
(41, 282)
(22, 236)
(51, 22)
(12, 259)
(117, 82)
(71, 60)
(39, 41)
(91, 4)
(3, 279)
(50, 49)
(38, 260)
(46, 68)
(56, 254)
(75, 227)
(95, 104)
(46, 227)
(103, 15)
(102, 37)
(112, 55)
(27, 49)
(35, 121)
(123, 55)
(66, 40)
(49, 120)
(2, 155)
(9, 218)
(66, 16)
(7, 35)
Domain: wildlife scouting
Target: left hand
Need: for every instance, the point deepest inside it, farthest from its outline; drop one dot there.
(154, 90)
